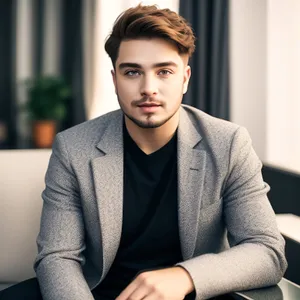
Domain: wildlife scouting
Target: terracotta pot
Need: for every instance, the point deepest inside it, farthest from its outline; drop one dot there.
(43, 133)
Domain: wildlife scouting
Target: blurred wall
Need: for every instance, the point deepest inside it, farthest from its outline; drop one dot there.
(265, 76)
(283, 84)
(248, 69)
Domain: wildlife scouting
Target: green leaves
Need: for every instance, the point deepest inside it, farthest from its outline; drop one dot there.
(47, 98)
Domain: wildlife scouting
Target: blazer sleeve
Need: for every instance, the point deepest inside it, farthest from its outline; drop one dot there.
(256, 255)
(60, 242)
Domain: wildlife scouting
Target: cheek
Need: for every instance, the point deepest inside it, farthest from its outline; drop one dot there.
(125, 91)
(177, 82)
(174, 94)
(174, 88)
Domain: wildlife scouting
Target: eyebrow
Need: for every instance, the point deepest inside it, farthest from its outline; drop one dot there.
(138, 66)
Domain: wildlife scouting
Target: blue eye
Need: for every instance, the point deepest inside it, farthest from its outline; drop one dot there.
(131, 73)
(165, 72)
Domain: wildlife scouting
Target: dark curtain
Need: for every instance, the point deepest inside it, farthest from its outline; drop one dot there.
(209, 84)
(7, 75)
(38, 27)
(70, 54)
(72, 59)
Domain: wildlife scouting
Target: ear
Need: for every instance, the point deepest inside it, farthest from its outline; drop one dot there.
(114, 80)
(186, 78)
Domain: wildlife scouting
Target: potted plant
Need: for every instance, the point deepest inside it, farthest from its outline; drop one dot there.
(46, 105)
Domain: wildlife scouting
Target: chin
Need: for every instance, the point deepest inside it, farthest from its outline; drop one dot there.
(147, 124)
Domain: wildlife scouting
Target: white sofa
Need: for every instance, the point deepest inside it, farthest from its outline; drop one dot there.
(22, 174)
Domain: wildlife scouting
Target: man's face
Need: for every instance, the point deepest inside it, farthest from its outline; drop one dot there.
(150, 79)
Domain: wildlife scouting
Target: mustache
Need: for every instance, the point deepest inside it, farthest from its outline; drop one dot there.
(146, 100)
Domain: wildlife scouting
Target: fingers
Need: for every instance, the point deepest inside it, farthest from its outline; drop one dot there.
(136, 290)
(154, 285)
(140, 293)
(128, 291)
(152, 296)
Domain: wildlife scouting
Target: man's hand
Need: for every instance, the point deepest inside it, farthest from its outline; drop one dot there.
(171, 284)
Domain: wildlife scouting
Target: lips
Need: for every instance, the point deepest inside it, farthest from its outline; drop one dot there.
(149, 105)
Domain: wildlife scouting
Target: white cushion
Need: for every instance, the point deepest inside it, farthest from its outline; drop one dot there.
(22, 176)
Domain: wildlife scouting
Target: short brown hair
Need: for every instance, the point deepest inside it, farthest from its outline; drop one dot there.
(150, 22)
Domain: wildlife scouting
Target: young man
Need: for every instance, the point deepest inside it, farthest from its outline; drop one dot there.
(157, 200)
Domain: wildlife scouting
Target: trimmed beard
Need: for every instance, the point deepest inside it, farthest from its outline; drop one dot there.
(146, 124)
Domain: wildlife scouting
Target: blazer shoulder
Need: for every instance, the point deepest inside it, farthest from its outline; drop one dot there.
(89, 132)
(219, 137)
(209, 127)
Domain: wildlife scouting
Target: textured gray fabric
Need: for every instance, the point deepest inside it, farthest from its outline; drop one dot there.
(222, 202)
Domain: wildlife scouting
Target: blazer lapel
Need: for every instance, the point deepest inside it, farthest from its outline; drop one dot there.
(191, 169)
(108, 177)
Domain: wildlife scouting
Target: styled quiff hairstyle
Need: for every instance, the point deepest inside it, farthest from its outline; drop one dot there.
(150, 22)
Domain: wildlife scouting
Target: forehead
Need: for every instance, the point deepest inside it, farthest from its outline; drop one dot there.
(148, 52)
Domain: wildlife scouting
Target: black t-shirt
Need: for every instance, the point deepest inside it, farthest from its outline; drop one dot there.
(150, 234)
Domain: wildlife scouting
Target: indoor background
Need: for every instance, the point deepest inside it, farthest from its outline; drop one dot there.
(246, 69)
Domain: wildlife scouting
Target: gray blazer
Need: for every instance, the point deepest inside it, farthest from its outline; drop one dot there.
(227, 228)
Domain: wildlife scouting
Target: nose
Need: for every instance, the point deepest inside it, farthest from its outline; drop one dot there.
(149, 86)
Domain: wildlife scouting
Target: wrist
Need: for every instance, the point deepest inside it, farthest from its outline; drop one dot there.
(186, 280)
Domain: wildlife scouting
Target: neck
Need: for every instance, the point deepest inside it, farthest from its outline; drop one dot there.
(150, 140)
